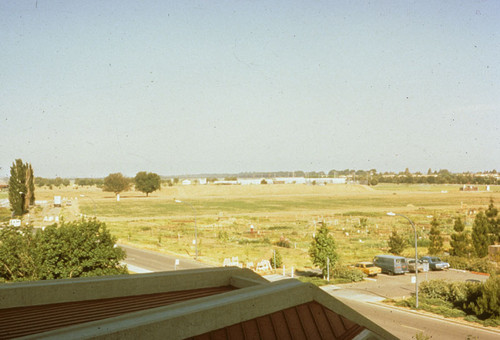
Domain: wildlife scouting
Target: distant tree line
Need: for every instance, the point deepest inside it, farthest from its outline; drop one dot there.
(98, 182)
(439, 177)
(371, 177)
(52, 182)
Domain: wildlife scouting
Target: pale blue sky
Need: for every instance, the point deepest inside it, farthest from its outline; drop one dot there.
(93, 87)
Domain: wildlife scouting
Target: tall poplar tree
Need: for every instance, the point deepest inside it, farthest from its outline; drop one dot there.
(18, 188)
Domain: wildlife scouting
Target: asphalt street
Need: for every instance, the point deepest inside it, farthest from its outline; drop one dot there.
(406, 324)
(145, 261)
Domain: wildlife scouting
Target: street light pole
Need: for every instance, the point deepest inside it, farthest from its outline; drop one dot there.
(195, 227)
(416, 255)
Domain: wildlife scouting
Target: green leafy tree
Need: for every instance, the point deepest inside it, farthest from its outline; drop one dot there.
(397, 243)
(77, 249)
(17, 252)
(147, 182)
(435, 238)
(116, 183)
(21, 187)
(460, 242)
(480, 238)
(322, 248)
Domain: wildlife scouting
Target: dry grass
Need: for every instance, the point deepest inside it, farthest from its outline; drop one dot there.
(225, 214)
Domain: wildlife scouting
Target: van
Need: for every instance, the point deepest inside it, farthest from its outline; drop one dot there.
(391, 264)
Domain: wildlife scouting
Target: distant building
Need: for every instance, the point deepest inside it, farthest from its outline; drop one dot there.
(226, 182)
(250, 181)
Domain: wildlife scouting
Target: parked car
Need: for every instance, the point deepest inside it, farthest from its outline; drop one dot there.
(411, 265)
(435, 263)
(368, 268)
(391, 264)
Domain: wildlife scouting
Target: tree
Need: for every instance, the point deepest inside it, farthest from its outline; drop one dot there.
(21, 187)
(116, 183)
(279, 259)
(494, 222)
(147, 182)
(17, 254)
(397, 243)
(480, 239)
(77, 249)
(459, 242)
(435, 238)
(486, 304)
(323, 248)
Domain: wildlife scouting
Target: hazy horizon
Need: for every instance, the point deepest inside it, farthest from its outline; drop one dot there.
(92, 88)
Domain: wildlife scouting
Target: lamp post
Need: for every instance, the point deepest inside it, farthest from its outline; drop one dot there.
(416, 255)
(195, 227)
(93, 202)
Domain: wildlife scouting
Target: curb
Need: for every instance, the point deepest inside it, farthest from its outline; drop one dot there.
(439, 317)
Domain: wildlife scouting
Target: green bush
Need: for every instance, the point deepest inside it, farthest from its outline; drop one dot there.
(435, 289)
(349, 273)
(487, 304)
(475, 264)
(279, 259)
(223, 236)
(284, 242)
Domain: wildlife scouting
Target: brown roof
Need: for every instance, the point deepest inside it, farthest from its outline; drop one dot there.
(307, 321)
(21, 321)
(212, 303)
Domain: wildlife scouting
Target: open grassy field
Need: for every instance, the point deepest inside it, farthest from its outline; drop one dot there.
(356, 216)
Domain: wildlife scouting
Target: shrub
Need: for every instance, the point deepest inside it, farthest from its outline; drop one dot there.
(223, 236)
(487, 304)
(279, 259)
(435, 289)
(349, 273)
(284, 242)
(475, 264)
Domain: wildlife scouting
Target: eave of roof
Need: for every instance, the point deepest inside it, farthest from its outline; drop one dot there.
(255, 299)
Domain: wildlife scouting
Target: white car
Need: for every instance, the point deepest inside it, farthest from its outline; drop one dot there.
(411, 265)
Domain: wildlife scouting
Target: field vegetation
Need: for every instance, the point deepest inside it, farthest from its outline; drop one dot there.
(354, 214)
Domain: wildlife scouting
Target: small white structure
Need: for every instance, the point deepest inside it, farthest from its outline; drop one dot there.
(186, 182)
(263, 266)
(15, 222)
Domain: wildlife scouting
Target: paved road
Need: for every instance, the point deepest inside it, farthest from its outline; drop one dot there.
(405, 324)
(144, 261)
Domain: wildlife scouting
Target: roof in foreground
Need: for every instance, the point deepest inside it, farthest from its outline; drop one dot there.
(212, 303)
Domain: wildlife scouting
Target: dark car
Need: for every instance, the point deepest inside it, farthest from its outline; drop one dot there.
(435, 263)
